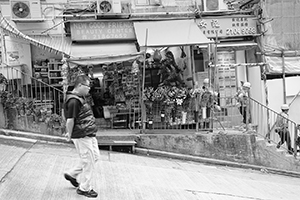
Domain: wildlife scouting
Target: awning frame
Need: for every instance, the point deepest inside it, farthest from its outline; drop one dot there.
(143, 40)
(9, 29)
(94, 60)
(232, 44)
(103, 53)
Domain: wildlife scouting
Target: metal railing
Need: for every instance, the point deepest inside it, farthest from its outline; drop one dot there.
(228, 115)
(264, 120)
(222, 114)
(33, 100)
(40, 102)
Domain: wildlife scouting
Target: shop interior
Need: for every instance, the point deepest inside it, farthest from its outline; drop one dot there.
(116, 88)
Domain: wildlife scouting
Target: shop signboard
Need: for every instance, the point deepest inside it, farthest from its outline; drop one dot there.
(237, 26)
(102, 31)
(226, 76)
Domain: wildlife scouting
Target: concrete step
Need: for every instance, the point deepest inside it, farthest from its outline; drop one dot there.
(117, 143)
(271, 144)
(116, 138)
(14, 138)
(117, 135)
(289, 155)
(259, 138)
(34, 136)
(280, 150)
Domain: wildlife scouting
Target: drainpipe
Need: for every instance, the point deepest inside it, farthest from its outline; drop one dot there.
(283, 77)
(143, 108)
(215, 81)
(196, 114)
(188, 14)
(3, 48)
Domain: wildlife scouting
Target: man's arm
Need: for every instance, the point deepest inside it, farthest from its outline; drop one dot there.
(69, 127)
(72, 113)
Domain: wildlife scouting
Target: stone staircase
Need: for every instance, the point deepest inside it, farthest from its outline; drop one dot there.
(273, 157)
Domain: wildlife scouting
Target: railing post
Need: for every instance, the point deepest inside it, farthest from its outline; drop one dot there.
(295, 139)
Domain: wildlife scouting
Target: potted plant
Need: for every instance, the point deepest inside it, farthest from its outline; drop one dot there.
(55, 124)
(3, 84)
(55, 121)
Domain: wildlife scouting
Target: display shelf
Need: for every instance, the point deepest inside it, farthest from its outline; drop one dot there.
(54, 70)
(54, 73)
(40, 73)
(40, 67)
(120, 120)
(55, 65)
(56, 85)
(55, 77)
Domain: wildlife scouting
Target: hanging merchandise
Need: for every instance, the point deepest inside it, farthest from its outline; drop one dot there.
(135, 67)
(157, 55)
(183, 54)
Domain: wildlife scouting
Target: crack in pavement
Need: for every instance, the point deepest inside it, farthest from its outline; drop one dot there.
(224, 194)
(2, 180)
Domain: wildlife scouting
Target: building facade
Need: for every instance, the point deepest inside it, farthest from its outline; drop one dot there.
(145, 57)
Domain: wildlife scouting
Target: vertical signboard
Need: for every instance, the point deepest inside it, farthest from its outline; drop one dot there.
(226, 76)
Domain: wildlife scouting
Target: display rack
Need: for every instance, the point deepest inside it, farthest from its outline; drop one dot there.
(54, 70)
(49, 73)
(41, 73)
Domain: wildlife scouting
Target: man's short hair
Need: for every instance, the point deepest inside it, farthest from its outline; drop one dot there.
(81, 79)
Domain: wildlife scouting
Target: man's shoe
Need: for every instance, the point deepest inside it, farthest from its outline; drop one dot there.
(72, 180)
(90, 194)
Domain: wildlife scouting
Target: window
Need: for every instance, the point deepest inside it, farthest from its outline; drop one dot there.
(214, 5)
(148, 2)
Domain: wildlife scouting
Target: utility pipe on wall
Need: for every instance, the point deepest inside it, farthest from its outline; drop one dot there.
(143, 107)
(283, 78)
(194, 87)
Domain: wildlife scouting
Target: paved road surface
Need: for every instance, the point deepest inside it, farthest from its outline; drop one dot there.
(30, 171)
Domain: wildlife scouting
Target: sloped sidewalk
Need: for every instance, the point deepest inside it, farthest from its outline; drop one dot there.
(34, 170)
(33, 137)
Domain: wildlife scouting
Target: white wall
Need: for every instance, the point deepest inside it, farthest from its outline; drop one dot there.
(257, 92)
(275, 95)
(240, 70)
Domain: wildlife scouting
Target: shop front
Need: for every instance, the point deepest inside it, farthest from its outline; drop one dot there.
(112, 53)
(229, 62)
(106, 51)
(169, 77)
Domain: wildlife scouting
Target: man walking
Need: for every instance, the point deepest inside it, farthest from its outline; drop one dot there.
(81, 128)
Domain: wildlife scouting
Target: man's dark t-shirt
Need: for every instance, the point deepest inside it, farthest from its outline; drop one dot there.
(72, 108)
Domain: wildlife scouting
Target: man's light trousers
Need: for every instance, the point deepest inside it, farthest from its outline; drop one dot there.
(88, 151)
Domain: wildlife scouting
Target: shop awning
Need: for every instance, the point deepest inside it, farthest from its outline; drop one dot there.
(13, 31)
(60, 43)
(233, 45)
(92, 54)
(169, 33)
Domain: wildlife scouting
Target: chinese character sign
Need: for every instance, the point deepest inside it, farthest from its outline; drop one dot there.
(228, 27)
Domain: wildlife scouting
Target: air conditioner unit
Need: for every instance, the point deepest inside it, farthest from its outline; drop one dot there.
(109, 6)
(30, 9)
(214, 5)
